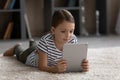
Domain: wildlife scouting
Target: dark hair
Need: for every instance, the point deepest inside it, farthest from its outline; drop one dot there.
(61, 15)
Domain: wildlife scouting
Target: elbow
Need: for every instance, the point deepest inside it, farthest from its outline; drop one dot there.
(42, 68)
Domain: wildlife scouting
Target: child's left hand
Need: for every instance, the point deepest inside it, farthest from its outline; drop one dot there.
(85, 65)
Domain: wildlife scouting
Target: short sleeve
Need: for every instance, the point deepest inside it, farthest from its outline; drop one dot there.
(42, 45)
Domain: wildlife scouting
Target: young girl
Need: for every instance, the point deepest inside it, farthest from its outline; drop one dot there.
(47, 54)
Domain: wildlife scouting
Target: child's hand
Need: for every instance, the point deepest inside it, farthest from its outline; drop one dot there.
(85, 65)
(61, 66)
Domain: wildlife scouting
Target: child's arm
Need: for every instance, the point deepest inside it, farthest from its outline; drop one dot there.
(60, 67)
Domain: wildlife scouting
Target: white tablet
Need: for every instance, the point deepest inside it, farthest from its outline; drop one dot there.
(74, 54)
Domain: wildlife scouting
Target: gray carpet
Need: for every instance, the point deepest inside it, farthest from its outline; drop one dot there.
(104, 65)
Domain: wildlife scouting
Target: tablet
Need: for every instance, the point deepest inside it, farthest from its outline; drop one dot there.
(74, 54)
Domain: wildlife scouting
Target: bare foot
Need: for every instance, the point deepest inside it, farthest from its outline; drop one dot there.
(9, 52)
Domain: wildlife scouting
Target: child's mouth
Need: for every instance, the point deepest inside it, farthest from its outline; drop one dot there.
(66, 39)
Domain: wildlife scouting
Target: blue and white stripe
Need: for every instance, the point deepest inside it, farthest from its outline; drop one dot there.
(46, 44)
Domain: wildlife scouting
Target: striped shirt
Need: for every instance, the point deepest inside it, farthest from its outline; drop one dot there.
(46, 44)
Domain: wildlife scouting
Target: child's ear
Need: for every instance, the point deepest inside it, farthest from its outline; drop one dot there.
(52, 29)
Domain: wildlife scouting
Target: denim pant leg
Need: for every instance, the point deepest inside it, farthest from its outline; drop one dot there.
(18, 50)
(22, 54)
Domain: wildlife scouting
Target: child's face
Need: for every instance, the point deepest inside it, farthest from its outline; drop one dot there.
(63, 32)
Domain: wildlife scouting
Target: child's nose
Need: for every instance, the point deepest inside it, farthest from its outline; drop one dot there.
(67, 35)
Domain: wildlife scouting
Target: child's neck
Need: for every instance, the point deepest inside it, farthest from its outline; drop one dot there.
(59, 46)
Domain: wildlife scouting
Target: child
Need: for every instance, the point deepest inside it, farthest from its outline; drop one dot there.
(47, 54)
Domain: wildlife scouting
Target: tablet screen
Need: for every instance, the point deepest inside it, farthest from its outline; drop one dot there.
(74, 54)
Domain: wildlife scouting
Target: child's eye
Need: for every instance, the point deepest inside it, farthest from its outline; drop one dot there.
(63, 31)
(71, 31)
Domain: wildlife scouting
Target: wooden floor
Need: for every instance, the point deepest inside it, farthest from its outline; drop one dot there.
(93, 42)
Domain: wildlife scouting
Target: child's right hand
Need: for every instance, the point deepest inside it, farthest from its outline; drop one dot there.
(61, 66)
